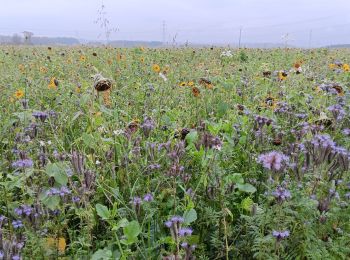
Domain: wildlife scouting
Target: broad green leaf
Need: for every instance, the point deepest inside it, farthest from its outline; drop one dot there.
(121, 224)
(51, 202)
(104, 254)
(190, 216)
(102, 211)
(192, 137)
(246, 187)
(58, 171)
(131, 231)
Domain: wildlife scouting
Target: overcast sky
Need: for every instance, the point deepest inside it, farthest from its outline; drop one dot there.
(195, 21)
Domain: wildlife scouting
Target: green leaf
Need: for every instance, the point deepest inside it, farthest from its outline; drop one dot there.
(246, 187)
(192, 137)
(102, 211)
(102, 254)
(190, 216)
(234, 178)
(121, 224)
(88, 140)
(222, 108)
(131, 231)
(58, 171)
(51, 202)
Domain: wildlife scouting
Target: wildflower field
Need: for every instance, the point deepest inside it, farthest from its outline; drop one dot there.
(178, 153)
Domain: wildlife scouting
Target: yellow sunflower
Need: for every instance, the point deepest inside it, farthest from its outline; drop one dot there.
(190, 83)
(156, 68)
(346, 67)
(182, 84)
(19, 94)
(82, 58)
(331, 66)
(282, 75)
(53, 83)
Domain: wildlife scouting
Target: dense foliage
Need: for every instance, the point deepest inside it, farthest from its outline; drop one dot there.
(192, 153)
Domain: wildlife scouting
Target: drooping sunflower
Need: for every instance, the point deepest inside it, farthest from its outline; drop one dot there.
(156, 68)
(269, 102)
(339, 89)
(206, 83)
(19, 94)
(195, 91)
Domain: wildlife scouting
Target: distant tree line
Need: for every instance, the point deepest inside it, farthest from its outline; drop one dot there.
(29, 39)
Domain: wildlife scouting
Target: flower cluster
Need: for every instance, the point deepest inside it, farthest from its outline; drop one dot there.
(274, 161)
(281, 194)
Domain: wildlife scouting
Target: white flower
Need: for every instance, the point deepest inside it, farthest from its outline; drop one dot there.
(42, 143)
(118, 132)
(162, 76)
(226, 54)
(49, 142)
(98, 162)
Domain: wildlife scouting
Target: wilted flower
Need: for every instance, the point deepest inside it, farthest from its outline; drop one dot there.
(147, 126)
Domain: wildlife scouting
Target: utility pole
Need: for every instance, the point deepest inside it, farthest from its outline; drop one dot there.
(164, 33)
(240, 36)
(310, 38)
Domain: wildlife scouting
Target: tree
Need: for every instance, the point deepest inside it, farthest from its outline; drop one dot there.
(28, 37)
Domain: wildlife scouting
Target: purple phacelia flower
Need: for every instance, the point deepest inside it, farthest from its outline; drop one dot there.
(23, 163)
(337, 111)
(280, 234)
(185, 232)
(136, 201)
(275, 161)
(17, 224)
(148, 125)
(148, 197)
(40, 115)
(346, 131)
(281, 194)
(177, 219)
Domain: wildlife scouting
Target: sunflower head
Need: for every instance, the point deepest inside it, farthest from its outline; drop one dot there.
(53, 83)
(183, 84)
(282, 75)
(82, 58)
(19, 94)
(346, 67)
(156, 68)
